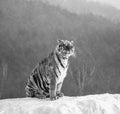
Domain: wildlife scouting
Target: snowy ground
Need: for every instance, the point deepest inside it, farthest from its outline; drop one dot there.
(93, 104)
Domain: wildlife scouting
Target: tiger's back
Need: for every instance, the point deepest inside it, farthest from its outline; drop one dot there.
(38, 84)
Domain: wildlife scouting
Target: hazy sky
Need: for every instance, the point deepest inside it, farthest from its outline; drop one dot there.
(115, 3)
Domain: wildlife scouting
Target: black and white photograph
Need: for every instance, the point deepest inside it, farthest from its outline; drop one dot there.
(59, 56)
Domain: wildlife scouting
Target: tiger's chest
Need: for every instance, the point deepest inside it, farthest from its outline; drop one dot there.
(61, 73)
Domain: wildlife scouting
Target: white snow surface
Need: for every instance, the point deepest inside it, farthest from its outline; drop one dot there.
(92, 104)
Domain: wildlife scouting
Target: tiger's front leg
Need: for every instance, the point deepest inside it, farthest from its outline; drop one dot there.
(53, 88)
(59, 93)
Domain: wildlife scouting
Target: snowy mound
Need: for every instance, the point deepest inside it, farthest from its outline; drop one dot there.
(93, 104)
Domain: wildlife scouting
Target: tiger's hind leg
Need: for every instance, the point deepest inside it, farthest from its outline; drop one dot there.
(35, 95)
(41, 95)
(29, 92)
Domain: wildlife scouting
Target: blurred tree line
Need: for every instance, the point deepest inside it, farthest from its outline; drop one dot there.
(28, 32)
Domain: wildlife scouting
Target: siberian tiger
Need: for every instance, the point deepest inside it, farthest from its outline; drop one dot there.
(47, 77)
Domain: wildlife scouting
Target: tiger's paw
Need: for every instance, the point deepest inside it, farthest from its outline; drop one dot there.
(54, 98)
(40, 96)
(60, 94)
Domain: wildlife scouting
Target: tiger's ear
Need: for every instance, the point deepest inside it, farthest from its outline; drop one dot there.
(72, 42)
(60, 41)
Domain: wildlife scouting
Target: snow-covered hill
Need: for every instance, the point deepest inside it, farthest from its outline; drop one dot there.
(93, 104)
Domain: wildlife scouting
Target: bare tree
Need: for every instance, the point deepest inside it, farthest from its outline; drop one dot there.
(4, 76)
(83, 73)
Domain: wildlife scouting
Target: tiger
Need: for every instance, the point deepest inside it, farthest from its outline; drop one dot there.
(48, 75)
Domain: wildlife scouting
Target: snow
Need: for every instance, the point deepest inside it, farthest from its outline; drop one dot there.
(92, 104)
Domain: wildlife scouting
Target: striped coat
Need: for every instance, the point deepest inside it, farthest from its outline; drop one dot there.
(47, 77)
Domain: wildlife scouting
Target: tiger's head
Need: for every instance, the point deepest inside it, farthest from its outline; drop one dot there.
(65, 48)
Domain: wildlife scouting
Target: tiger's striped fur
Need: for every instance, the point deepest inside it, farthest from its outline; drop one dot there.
(47, 77)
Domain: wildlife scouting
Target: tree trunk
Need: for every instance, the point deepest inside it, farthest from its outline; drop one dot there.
(4, 76)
